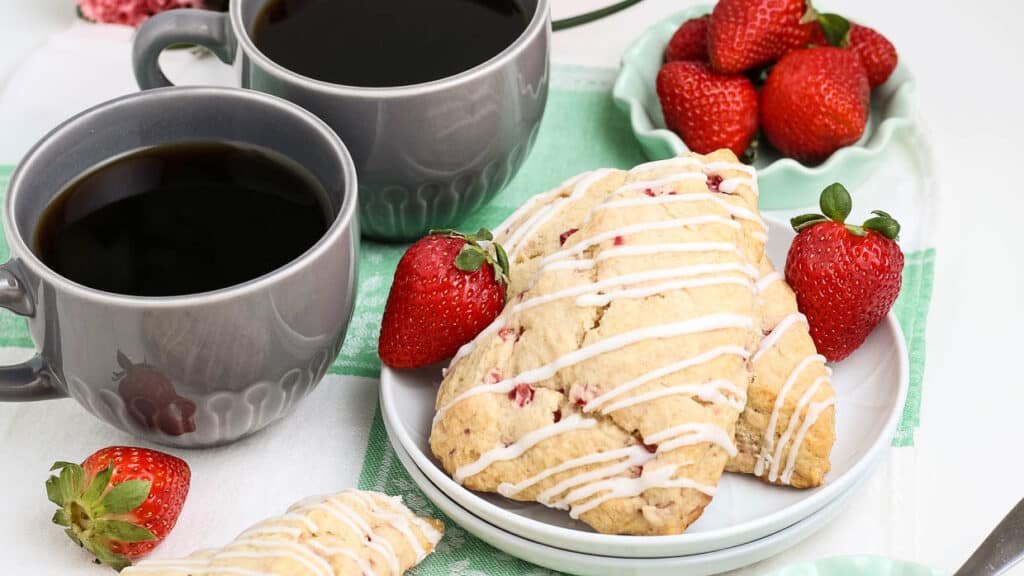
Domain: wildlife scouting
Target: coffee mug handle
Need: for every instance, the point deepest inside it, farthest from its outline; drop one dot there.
(29, 380)
(203, 27)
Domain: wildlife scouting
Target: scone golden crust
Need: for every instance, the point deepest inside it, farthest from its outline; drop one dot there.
(353, 532)
(790, 379)
(611, 384)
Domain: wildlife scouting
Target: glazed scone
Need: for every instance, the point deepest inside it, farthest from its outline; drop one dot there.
(531, 234)
(354, 532)
(611, 384)
(790, 378)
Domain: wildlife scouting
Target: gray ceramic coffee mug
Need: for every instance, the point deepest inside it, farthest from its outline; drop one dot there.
(197, 370)
(427, 154)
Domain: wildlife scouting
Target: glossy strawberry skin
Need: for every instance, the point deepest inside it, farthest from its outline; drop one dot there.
(845, 284)
(169, 479)
(814, 102)
(876, 52)
(707, 110)
(434, 308)
(743, 34)
(690, 41)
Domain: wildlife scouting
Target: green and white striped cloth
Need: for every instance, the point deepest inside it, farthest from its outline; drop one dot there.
(581, 131)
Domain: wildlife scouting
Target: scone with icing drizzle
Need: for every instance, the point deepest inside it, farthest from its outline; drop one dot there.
(611, 384)
(353, 532)
(789, 376)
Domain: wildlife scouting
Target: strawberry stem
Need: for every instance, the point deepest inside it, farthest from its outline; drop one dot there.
(474, 254)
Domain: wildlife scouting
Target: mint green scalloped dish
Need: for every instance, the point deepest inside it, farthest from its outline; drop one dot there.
(858, 566)
(784, 182)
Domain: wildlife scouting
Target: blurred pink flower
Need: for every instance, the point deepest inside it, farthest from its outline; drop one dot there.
(130, 12)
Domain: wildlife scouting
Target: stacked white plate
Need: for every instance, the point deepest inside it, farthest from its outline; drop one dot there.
(746, 522)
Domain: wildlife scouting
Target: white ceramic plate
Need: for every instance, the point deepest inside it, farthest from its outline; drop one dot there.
(871, 387)
(596, 565)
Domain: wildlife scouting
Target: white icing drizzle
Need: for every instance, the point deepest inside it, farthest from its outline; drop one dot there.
(689, 434)
(635, 278)
(364, 566)
(738, 211)
(278, 548)
(709, 392)
(468, 347)
(701, 358)
(643, 292)
(191, 569)
(769, 341)
(712, 167)
(729, 185)
(690, 161)
(429, 532)
(625, 487)
(695, 325)
(773, 470)
(511, 241)
(547, 497)
(636, 229)
(652, 184)
(632, 452)
(809, 419)
(531, 226)
(396, 521)
(767, 280)
(585, 264)
(768, 443)
(516, 449)
(350, 518)
(273, 529)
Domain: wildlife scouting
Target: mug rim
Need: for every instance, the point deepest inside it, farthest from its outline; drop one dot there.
(538, 23)
(23, 255)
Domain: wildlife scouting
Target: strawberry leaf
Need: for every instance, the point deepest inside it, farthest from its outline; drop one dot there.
(60, 518)
(53, 492)
(60, 464)
(836, 202)
(105, 556)
(122, 531)
(884, 225)
(803, 221)
(125, 497)
(836, 29)
(483, 234)
(470, 258)
(99, 484)
(71, 479)
(502, 270)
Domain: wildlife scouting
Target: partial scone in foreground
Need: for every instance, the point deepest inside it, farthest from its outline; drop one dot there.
(546, 405)
(353, 532)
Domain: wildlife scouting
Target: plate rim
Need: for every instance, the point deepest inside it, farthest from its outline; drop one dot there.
(661, 546)
(824, 515)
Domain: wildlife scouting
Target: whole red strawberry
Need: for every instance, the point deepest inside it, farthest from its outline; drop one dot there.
(876, 53)
(814, 102)
(846, 277)
(690, 41)
(448, 287)
(709, 111)
(743, 34)
(120, 502)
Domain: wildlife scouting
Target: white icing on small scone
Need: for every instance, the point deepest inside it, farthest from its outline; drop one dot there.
(353, 532)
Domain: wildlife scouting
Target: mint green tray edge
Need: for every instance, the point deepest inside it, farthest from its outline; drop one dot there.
(858, 566)
(784, 182)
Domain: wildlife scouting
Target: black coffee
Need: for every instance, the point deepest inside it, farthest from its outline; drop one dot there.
(386, 42)
(182, 219)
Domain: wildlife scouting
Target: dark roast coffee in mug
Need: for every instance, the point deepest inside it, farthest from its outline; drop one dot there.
(182, 219)
(378, 43)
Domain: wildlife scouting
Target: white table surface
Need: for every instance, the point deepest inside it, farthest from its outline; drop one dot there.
(969, 472)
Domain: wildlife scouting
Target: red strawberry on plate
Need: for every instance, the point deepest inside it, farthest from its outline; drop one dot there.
(743, 34)
(448, 287)
(709, 111)
(876, 53)
(814, 102)
(120, 502)
(690, 41)
(846, 277)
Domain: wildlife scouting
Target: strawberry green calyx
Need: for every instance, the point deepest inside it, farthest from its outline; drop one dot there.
(474, 254)
(836, 29)
(93, 516)
(836, 204)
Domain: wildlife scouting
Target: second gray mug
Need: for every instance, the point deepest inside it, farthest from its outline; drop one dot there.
(428, 154)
